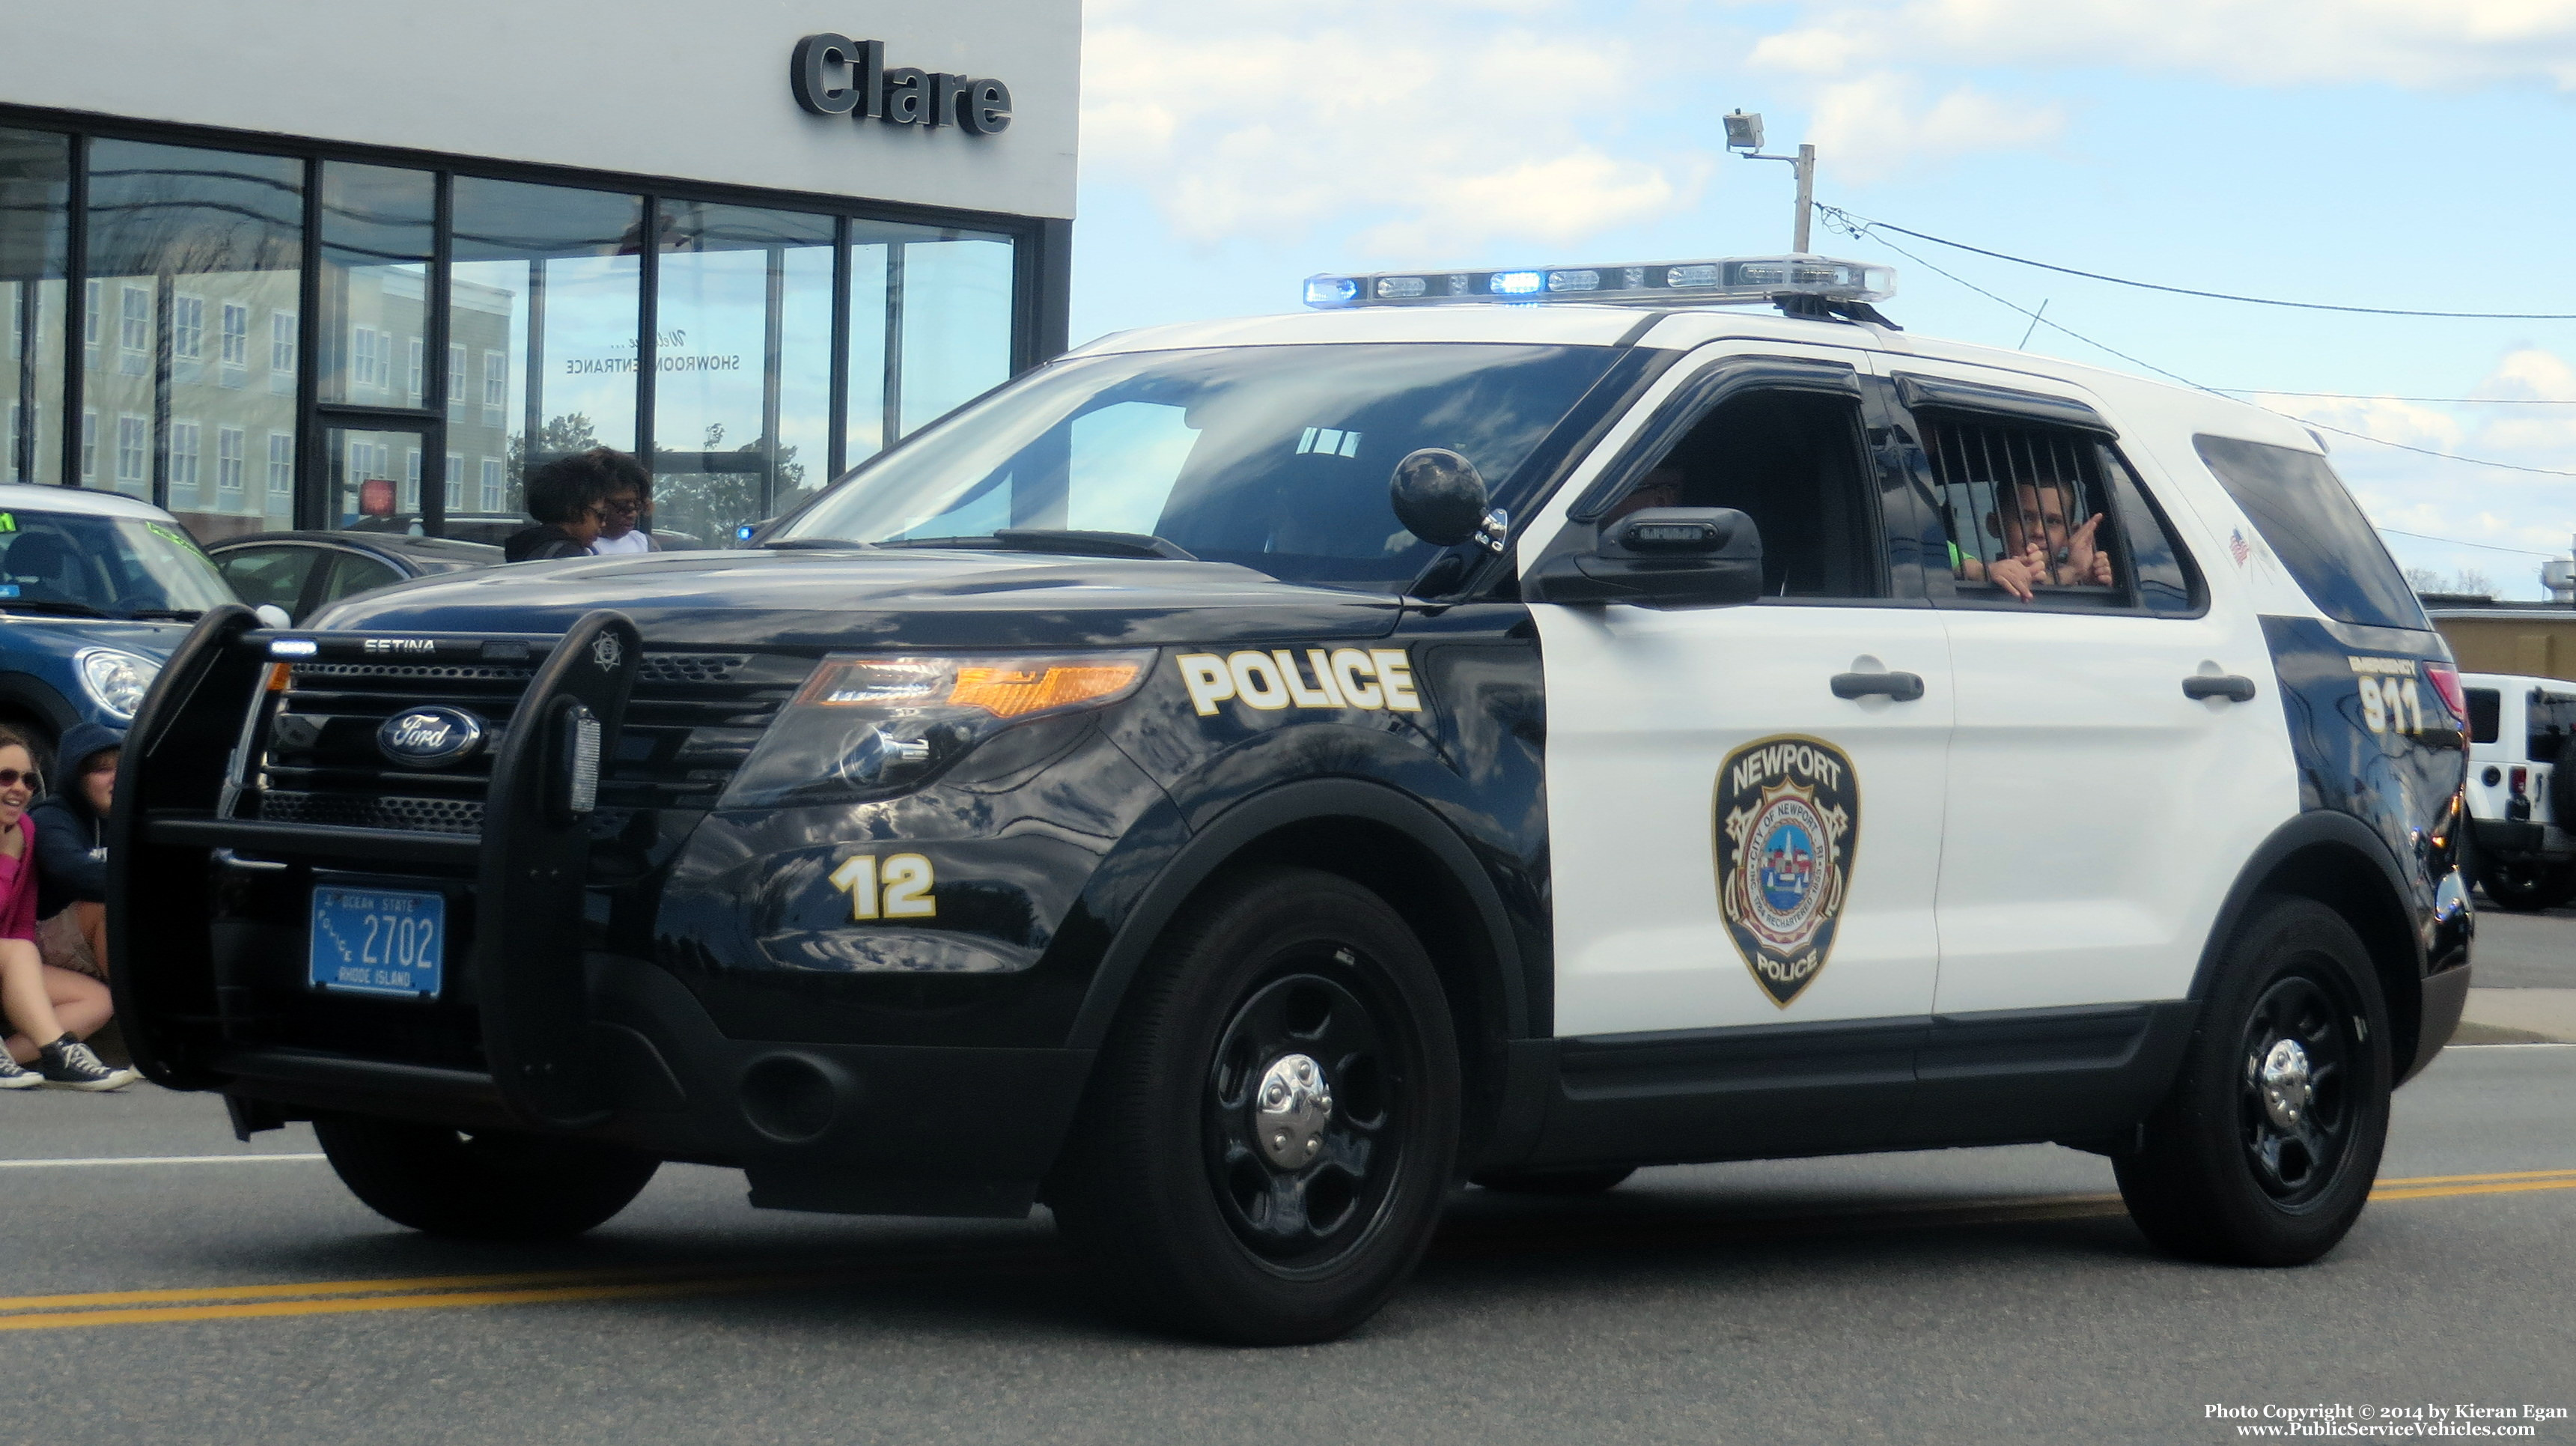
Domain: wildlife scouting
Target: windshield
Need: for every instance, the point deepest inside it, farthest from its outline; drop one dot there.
(70, 562)
(1274, 457)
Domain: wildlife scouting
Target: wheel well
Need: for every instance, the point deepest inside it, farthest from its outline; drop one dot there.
(2355, 888)
(1443, 916)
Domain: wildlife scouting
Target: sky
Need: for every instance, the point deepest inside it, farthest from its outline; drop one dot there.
(2406, 154)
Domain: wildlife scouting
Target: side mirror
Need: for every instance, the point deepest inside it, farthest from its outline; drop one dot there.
(1658, 557)
(1438, 495)
(270, 615)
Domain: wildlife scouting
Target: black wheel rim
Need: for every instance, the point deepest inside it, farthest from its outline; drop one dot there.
(1308, 1216)
(2296, 1083)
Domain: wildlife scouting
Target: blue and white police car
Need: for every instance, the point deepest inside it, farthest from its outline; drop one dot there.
(1242, 779)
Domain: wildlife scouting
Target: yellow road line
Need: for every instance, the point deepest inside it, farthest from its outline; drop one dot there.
(650, 1282)
(358, 1287)
(152, 1315)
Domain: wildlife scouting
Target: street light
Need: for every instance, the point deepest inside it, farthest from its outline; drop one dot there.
(1744, 134)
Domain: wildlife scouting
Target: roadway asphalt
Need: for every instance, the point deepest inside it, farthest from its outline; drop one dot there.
(1967, 1296)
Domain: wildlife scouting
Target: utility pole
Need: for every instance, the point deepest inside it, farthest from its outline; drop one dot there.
(1744, 135)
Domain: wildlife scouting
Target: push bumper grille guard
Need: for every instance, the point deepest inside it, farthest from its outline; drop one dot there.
(529, 865)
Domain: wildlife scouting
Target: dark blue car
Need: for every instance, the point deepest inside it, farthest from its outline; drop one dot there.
(96, 589)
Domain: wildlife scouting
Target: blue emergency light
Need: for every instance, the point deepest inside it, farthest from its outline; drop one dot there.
(1733, 280)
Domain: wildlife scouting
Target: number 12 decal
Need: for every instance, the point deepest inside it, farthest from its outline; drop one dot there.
(898, 888)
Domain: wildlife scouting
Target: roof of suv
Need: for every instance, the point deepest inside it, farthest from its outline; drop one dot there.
(1573, 324)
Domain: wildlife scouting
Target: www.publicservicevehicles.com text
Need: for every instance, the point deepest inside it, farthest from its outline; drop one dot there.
(2386, 1421)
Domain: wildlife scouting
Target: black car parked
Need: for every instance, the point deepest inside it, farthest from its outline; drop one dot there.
(302, 571)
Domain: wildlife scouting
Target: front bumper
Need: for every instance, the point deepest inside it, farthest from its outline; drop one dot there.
(538, 1028)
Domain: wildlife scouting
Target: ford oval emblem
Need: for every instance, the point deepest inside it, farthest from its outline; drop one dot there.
(430, 737)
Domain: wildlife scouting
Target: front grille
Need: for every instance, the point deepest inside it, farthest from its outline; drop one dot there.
(691, 721)
(357, 810)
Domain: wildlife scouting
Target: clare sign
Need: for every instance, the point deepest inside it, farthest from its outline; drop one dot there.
(835, 75)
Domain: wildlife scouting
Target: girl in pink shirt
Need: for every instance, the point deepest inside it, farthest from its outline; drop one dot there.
(50, 1009)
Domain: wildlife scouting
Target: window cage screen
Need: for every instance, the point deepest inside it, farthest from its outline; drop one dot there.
(2007, 490)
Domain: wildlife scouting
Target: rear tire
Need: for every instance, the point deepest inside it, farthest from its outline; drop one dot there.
(486, 1185)
(2265, 1151)
(1205, 1212)
(2526, 884)
(1557, 1182)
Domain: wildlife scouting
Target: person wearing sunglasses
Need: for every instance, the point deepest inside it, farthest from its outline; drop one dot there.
(50, 1011)
(566, 498)
(628, 508)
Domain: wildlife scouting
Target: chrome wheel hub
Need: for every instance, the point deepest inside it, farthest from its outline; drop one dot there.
(2287, 1087)
(1290, 1109)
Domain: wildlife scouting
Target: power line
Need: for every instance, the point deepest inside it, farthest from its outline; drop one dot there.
(1864, 224)
(1844, 220)
(2370, 397)
(2456, 542)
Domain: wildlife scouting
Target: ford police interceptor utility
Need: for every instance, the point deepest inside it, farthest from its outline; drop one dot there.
(1240, 778)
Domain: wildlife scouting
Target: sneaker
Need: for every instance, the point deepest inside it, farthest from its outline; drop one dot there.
(16, 1076)
(67, 1064)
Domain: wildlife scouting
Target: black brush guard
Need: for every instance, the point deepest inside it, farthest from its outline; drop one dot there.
(528, 867)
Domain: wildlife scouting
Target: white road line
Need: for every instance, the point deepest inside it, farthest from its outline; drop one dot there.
(153, 1160)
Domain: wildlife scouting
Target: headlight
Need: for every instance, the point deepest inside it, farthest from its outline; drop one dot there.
(870, 727)
(116, 681)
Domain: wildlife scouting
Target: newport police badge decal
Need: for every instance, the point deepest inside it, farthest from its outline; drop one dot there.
(1788, 812)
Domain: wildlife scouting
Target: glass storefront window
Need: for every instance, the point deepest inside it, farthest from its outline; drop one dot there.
(956, 321)
(743, 371)
(35, 198)
(544, 304)
(379, 231)
(195, 261)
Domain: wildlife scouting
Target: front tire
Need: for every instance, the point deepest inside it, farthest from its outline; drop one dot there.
(2265, 1151)
(1270, 1133)
(487, 1185)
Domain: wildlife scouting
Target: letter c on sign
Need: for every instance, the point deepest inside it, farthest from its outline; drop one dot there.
(816, 74)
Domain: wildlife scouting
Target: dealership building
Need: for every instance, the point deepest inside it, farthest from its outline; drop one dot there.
(295, 263)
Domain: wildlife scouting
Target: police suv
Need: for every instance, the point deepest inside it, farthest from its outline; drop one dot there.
(1241, 778)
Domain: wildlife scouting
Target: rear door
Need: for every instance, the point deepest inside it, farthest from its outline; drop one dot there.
(2097, 810)
(1731, 842)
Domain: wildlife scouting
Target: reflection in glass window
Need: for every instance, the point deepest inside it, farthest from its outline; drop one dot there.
(456, 382)
(494, 498)
(547, 281)
(378, 234)
(228, 459)
(170, 226)
(742, 390)
(121, 566)
(236, 336)
(956, 322)
(281, 470)
(35, 195)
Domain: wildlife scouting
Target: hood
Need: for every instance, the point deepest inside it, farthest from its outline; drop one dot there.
(71, 758)
(59, 635)
(805, 601)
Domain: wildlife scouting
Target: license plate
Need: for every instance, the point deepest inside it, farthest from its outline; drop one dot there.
(378, 941)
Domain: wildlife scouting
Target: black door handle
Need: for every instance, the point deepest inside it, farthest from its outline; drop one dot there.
(2228, 686)
(1903, 687)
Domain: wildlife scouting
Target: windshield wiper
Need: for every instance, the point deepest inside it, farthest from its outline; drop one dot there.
(52, 605)
(185, 615)
(1072, 541)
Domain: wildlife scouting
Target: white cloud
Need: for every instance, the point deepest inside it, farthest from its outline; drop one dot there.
(2410, 43)
(1442, 127)
(1874, 127)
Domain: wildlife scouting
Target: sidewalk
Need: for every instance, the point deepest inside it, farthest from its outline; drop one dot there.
(2518, 1016)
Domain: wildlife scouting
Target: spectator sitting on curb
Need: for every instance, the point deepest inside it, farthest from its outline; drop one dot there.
(51, 1008)
(71, 859)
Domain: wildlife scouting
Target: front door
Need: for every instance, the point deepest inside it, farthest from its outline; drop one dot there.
(1732, 841)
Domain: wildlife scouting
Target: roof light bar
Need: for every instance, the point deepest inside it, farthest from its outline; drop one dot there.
(1737, 279)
